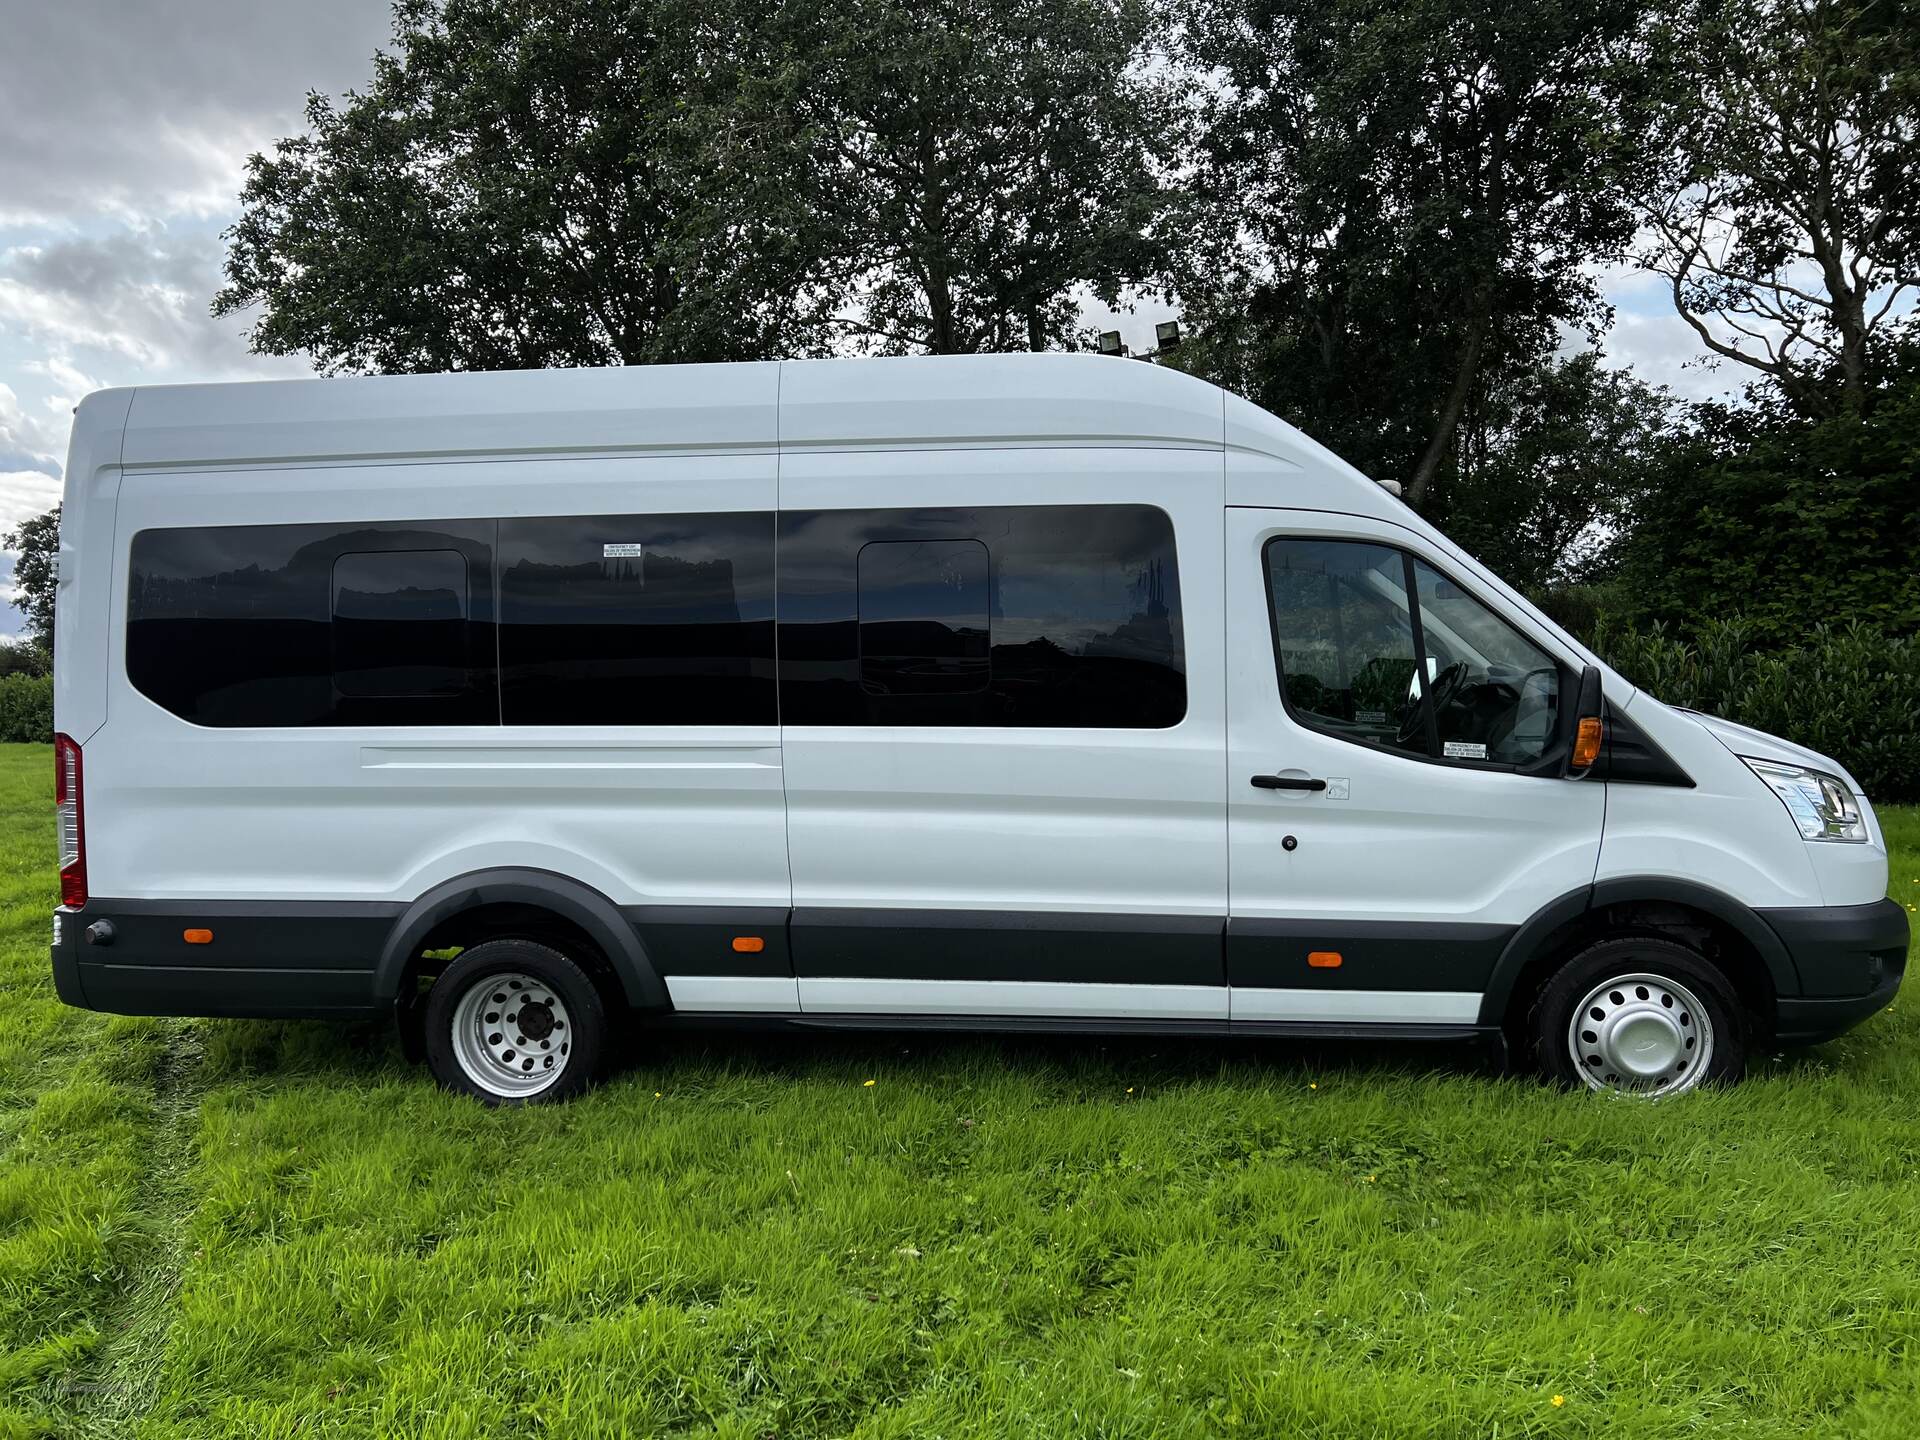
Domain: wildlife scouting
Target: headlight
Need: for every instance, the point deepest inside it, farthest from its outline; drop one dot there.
(1821, 804)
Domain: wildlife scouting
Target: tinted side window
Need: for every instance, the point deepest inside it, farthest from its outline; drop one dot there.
(399, 623)
(246, 624)
(923, 617)
(1349, 618)
(637, 620)
(1080, 624)
(1496, 694)
(1343, 631)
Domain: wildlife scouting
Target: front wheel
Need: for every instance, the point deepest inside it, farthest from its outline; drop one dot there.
(513, 1023)
(1639, 1016)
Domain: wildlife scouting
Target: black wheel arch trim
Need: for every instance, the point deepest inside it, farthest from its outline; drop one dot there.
(1525, 945)
(567, 898)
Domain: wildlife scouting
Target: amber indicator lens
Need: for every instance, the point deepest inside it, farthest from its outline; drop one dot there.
(197, 937)
(749, 944)
(1586, 744)
(1324, 959)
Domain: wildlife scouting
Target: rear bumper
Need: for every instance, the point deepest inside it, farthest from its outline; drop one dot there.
(268, 960)
(1851, 959)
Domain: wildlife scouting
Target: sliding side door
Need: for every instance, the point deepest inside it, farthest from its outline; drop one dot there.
(1002, 730)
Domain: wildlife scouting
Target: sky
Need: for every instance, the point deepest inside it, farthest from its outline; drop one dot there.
(125, 128)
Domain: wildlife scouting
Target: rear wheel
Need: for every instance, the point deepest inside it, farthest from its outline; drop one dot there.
(1639, 1016)
(511, 1022)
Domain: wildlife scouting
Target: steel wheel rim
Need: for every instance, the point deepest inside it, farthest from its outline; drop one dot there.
(512, 1034)
(1641, 1034)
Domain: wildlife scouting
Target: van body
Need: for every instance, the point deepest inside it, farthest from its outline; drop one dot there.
(996, 692)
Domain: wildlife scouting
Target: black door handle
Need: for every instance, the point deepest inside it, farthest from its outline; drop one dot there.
(1286, 782)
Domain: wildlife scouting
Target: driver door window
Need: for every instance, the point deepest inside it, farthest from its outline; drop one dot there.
(1349, 618)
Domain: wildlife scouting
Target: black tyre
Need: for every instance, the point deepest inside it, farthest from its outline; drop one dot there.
(1640, 1016)
(511, 1022)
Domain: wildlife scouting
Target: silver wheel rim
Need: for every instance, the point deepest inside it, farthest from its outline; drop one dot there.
(1641, 1035)
(512, 1034)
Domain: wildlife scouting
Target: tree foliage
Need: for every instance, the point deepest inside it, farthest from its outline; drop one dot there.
(1410, 197)
(540, 182)
(35, 575)
(1785, 212)
(1783, 518)
(588, 182)
(1548, 462)
(987, 161)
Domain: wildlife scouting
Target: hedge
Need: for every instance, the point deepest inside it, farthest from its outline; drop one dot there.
(26, 708)
(1849, 691)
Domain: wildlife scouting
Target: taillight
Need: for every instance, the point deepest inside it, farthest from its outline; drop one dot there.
(73, 826)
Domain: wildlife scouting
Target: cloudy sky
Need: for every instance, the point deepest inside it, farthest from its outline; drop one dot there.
(124, 132)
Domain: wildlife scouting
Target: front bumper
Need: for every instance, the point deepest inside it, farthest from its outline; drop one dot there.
(1851, 959)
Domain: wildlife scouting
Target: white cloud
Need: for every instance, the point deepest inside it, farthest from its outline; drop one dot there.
(25, 494)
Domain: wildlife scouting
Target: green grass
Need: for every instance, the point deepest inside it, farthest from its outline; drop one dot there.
(261, 1230)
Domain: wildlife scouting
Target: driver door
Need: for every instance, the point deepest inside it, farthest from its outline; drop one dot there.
(1385, 836)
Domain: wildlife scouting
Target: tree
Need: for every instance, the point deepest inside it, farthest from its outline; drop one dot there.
(541, 182)
(1784, 518)
(1787, 209)
(1548, 462)
(587, 182)
(35, 574)
(986, 160)
(1413, 196)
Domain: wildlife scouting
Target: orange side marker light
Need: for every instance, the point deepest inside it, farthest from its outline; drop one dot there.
(748, 944)
(1324, 959)
(1586, 744)
(197, 937)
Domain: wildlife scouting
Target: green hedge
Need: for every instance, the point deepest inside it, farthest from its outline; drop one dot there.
(26, 708)
(1850, 691)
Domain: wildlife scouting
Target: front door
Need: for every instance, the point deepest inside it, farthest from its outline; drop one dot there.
(1386, 838)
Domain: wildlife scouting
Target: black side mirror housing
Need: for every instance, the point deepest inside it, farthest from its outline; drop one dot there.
(1585, 726)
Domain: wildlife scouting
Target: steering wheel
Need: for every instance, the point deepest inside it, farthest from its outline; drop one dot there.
(1445, 686)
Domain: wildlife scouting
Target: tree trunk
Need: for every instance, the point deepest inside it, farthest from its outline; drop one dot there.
(1448, 419)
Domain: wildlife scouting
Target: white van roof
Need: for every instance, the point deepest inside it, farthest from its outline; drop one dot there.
(821, 404)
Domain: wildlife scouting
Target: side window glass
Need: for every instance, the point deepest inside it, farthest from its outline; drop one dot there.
(637, 620)
(923, 617)
(400, 623)
(1343, 630)
(1495, 693)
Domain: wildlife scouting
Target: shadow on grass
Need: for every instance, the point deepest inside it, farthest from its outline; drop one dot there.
(370, 1053)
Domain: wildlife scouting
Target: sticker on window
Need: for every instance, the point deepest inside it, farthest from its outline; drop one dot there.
(627, 551)
(1464, 750)
(1369, 717)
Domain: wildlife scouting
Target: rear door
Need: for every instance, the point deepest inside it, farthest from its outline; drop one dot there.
(1386, 837)
(1003, 731)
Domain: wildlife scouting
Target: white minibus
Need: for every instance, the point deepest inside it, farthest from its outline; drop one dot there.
(1000, 692)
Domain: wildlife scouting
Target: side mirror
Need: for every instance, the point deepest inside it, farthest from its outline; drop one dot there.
(1586, 725)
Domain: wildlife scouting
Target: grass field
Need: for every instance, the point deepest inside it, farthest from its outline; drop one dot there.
(278, 1230)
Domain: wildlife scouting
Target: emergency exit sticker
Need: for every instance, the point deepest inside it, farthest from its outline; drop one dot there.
(628, 551)
(1464, 750)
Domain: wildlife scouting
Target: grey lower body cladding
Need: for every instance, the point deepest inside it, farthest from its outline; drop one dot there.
(275, 959)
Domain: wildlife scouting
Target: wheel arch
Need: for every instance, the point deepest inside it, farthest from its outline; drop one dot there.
(1729, 932)
(534, 904)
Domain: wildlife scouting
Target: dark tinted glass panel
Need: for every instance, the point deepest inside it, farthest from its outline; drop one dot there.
(1082, 617)
(637, 620)
(1344, 631)
(236, 625)
(1496, 694)
(1345, 626)
(923, 617)
(400, 623)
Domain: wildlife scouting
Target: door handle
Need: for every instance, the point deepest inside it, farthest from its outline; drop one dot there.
(1286, 782)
